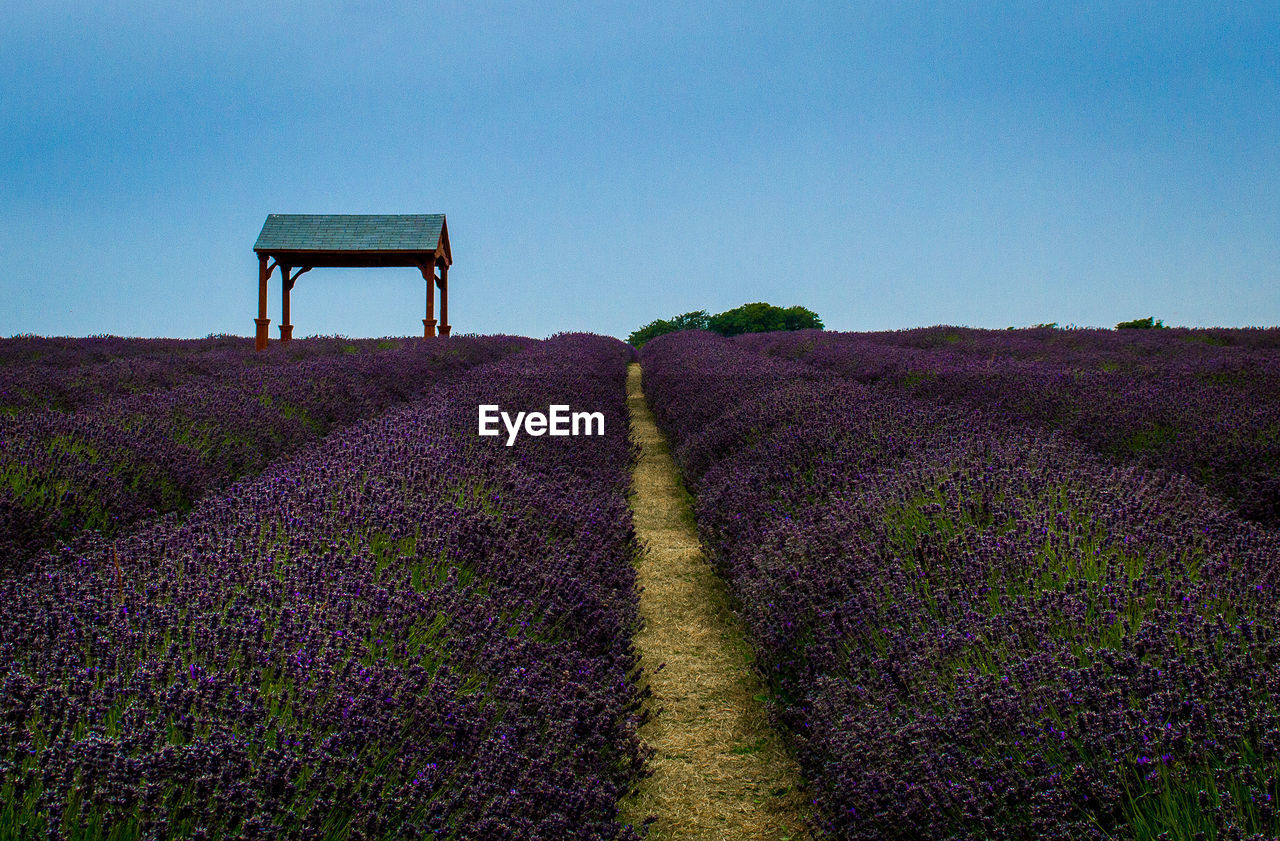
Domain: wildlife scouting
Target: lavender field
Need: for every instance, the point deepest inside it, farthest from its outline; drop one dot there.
(94, 441)
(1203, 403)
(979, 618)
(395, 630)
(1000, 585)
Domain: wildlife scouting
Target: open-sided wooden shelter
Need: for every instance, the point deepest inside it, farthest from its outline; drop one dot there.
(298, 243)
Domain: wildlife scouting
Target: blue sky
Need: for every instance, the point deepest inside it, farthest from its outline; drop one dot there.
(885, 164)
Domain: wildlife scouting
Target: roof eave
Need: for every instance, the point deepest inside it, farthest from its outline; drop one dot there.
(443, 245)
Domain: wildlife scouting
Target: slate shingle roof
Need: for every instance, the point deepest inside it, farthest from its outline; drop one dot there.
(333, 232)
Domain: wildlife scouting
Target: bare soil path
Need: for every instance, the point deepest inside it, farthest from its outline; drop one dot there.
(719, 769)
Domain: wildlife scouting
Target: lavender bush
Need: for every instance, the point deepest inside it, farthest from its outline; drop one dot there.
(67, 374)
(117, 461)
(1202, 403)
(401, 631)
(974, 629)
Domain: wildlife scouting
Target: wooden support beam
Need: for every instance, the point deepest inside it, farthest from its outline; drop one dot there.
(429, 323)
(445, 327)
(261, 322)
(286, 284)
(292, 279)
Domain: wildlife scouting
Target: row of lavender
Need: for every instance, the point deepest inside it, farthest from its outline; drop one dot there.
(973, 629)
(1081, 345)
(403, 631)
(117, 461)
(68, 374)
(1205, 404)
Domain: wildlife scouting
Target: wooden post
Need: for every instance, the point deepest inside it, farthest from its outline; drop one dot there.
(286, 329)
(429, 323)
(445, 327)
(260, 338)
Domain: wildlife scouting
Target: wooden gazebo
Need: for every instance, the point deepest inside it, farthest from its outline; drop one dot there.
(298, 243)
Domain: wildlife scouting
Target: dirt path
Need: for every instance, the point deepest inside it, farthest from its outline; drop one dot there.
(719, 769)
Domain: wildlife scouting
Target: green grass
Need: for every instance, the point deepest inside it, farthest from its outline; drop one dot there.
(1154, 438)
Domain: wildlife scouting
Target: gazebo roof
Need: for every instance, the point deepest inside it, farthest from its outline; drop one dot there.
(348, 233)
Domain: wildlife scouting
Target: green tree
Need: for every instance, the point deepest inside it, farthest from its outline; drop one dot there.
(696, 320)
(748, 318)
(763, 318)
(1148, 323)
(800, 318)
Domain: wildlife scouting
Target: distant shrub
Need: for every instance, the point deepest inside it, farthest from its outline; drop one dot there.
(763, 318)
(1148, 323)
(696, 320)
(748, 318)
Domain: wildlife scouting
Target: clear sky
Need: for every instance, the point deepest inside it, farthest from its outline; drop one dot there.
(887, 164)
